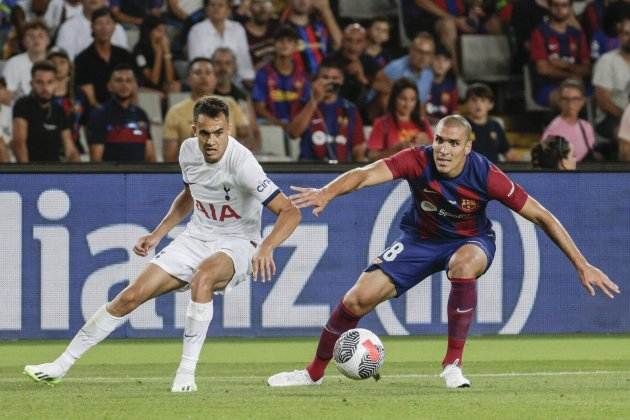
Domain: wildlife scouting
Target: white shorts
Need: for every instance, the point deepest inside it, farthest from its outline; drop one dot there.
(181, 257)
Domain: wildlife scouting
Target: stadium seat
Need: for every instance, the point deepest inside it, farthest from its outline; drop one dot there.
(485, 58)
(366, 9)
(133, 36)
(274, 144)
(151, 103)
(530, 104)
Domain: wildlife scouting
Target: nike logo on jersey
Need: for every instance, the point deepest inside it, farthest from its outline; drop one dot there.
(453, 202)
(426, 190)
(463, 311)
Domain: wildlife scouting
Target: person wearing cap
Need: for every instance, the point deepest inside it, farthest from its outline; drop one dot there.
(281, 85)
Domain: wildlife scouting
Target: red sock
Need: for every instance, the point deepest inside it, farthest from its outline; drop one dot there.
(340, 321)
(461, 307)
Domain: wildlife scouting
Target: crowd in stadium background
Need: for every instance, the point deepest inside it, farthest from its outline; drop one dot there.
(315, 80)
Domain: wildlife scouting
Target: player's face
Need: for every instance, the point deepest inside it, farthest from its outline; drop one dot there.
(103, 28)
(441, 65)
(43, 85)
(224, 66)
(421, 53)
(212, 136)
(122, 84)
(218, 10)
(354, 41)
(450, 148)
(36, 40)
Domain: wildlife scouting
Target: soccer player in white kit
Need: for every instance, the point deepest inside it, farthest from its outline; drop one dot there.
(224, 186)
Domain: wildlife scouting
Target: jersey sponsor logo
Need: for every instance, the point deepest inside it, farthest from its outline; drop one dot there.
(263, 185)
(226, 212)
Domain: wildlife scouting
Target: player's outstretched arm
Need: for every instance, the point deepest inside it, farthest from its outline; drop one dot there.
(590, 275)
(180, 208)
(288, 217)
(355, 179)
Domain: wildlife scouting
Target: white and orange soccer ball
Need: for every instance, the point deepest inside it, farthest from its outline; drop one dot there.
(359, 354)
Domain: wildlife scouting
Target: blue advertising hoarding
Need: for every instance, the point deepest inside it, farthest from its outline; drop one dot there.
(67, 239)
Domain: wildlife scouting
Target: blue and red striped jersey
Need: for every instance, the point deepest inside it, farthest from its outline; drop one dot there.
(281, 94)
(452, 208)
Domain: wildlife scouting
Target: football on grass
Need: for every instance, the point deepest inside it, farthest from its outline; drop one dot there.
(359, 354)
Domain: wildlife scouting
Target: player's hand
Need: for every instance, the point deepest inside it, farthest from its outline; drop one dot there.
(145, 244)
(593, 276)
(263, 264)
(309, 197)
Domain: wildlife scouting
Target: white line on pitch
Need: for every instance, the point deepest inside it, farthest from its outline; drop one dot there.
(385, 376)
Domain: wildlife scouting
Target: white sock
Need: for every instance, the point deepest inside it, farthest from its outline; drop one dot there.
(99, 326)
(198, 317)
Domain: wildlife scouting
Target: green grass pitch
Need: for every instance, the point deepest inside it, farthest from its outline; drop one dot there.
(542, 377)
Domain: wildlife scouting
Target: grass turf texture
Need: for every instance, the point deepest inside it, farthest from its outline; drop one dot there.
(512, 377)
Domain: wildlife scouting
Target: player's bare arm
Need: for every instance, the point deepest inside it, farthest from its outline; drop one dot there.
(589, 275)
(355, 179)
(288, 217)
(180, 208)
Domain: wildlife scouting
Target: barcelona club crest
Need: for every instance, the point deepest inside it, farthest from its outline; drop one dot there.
(469, 205)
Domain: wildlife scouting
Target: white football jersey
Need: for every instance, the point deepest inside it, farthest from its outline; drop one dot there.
(227, 195)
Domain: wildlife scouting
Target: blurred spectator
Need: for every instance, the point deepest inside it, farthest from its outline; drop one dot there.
(329, 124)
(569, 125)
(377, 37)
(41, 129)
(224, 63)
(5, 126)
(359, 69)
(526, 15)
(600, 19)
(153, 56)
(444, 96)
(133, 12)
(72, 101)
(259, 30)
(559, 51)
(52, 12)
(178, 122)
(554, 152)
(487, 134)
(623, 136)
(447, 19)
(611, 79)
(95, 64)
(281, 84)
(119, 131)
(317, 36)
(185, 12)
(17, 71)
(415, 66)
(75, 35)
(402, 126)
(217, 31)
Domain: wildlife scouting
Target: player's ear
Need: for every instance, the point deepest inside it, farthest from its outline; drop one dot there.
(193, 129)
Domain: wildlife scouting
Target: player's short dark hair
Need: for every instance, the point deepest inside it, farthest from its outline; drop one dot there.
(205, 3)
(424, 35)
(550, 152)
(455, 120)
(100, 12)
(285, 32)
(479, 90)
(443, 51)
(573, 84)
(121, 67)
(43, 65)
(199, 60)
(210, 106)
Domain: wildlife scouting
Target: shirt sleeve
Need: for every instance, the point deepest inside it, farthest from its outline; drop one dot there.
(20, 110)
(503, 189)
(585, 50)
(408, 163)
(170, 126)
(537, 46)
(81, 73)
(182, 162)
(196, 42)
(602, 76)
(254, 180)
(11, 76)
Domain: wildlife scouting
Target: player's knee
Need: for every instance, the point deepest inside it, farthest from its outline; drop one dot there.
(126, 302)
(458, 268)
(357, 303)
(207, 278)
